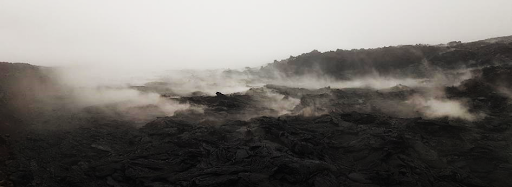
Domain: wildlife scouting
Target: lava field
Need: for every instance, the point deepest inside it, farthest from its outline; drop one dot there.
(427, 134)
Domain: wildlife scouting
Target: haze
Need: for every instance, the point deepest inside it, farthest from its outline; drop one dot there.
(230, 34)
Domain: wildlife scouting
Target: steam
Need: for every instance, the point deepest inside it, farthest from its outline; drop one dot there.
(208, 82)
(507, 92)
(317, 79)
(432, 107)
(143, 95)
(124, 98)
(204, 82)
(108, 92)
(316, 82)
(270, 99)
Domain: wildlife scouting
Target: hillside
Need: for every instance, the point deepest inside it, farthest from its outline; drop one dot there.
(396, 61)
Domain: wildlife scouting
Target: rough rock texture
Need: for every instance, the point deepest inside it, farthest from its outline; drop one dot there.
(330, 137)
(395, 61)
(336, 149)
(339, 148)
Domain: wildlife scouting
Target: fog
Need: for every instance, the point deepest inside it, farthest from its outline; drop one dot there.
(140, 94)
(229, 34)
(135, 59)
(255, 93)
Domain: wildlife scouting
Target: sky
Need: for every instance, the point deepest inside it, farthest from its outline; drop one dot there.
(195, 34)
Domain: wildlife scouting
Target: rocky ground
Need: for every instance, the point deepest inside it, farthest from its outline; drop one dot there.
(333, 137)
(455, 134)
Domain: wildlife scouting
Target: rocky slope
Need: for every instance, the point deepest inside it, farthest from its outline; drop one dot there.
(397, 61)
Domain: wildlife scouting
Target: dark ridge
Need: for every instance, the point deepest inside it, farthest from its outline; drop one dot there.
(396, 61)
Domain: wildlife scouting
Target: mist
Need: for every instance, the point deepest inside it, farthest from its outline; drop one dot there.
(130, 93)
(145, 95)
(230, 34)
(441, 107)
(145, 54)
(78, 94)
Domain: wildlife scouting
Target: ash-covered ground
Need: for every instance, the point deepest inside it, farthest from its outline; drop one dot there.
(396, 116)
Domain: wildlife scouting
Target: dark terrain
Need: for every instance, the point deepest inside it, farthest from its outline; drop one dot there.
(332, 137)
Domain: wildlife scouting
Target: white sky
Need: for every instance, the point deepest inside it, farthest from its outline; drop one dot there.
(170, 34)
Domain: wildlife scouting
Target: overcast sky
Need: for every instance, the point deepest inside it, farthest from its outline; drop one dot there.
(173, 34)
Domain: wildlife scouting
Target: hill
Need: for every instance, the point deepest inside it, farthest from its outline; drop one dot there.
(396, 61)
